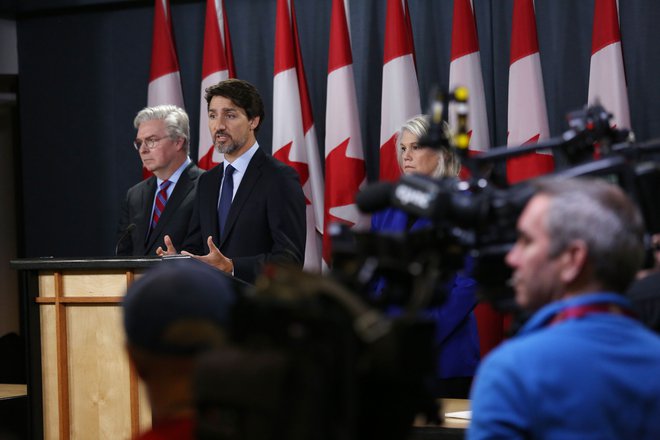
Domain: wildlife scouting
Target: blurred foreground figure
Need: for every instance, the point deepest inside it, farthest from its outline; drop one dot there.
(172, 314)
(582, 366)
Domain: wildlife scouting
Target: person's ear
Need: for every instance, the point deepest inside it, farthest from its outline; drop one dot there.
(254, 122)
(573, 260)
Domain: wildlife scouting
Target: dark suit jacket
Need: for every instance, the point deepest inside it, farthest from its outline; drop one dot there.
(266, 222)
(173, 222)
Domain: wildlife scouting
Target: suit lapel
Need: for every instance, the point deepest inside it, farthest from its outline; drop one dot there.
(248, 183)
(147, 203)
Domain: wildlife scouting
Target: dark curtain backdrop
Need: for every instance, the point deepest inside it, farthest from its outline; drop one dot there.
(84, 66)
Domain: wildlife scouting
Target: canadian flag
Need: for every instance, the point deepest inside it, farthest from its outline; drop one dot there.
(400, 98)
(607, 78)
(465, 71)
(345, 172)
(164, 77)
(527, 117)
(294, 137)
(217, 65)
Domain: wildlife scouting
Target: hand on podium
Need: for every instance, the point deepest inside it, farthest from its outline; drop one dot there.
(214, 258)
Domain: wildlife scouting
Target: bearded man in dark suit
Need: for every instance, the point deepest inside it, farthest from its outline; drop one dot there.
(162, 204)
(257, 214)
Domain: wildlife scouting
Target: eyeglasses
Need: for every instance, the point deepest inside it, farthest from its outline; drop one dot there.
(149, 143)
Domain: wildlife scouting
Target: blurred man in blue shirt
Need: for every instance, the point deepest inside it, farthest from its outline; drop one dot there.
(582, 366)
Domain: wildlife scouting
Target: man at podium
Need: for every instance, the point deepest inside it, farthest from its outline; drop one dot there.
(249, 209)
(162, 204)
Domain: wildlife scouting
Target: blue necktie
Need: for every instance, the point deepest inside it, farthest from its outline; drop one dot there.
(225, 198)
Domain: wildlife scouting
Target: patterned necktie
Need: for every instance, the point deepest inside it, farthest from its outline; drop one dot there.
(161, 200)
(225, 198)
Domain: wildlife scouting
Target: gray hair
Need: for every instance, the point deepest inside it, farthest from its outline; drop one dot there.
(176, 121)
(601, 215)
(449, 163)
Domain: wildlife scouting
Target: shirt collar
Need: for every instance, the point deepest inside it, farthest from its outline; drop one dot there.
(242, 162)
(543, 316)
(174, 178)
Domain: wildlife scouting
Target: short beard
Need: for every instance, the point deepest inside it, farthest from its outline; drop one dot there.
(228, 148)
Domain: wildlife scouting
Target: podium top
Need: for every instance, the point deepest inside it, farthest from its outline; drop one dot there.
(55, 264)
(46, 263)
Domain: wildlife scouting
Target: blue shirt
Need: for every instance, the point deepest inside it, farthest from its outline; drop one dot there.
(592, 377)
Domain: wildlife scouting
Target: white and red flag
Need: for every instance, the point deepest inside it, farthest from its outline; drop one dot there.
(607, 78)
(294, 136)
(465, 71)
(345, 171)
(217, 65)
(164, 76)
(400, 97)
(527, 117)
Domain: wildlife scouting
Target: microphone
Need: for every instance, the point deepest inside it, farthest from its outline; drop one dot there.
(415, 194)
(375, 197)
(125, 234)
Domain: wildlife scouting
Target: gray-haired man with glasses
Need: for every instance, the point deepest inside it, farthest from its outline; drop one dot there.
(162, 204)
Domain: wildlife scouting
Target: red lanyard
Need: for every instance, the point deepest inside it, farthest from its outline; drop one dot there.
(577, 312)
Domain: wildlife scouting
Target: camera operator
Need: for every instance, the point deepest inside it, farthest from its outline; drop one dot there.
(582, 366)
(456, 330)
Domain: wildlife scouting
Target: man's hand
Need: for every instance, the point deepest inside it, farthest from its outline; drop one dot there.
(171, 250)
(214, 258)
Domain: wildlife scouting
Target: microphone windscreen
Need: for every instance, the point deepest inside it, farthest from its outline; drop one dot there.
(375, 197)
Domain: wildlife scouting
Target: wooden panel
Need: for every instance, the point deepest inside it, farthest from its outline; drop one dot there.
(94, 398)
(49, 372)
(99, 374)
(46, 284)
(79, 300)
(103, 283)
(12, 390)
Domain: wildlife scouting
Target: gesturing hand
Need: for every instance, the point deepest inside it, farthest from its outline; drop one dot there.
(170, 249)
(214, 258)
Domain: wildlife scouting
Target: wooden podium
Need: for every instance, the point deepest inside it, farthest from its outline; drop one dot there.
(80, 383)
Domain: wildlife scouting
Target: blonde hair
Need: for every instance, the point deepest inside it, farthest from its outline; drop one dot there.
(449, 163)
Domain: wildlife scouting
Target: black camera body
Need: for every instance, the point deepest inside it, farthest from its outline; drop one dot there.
(477, 217)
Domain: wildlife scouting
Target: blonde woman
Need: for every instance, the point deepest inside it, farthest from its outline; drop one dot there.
(456, 329)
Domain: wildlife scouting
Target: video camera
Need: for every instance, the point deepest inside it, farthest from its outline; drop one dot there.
(476, 218)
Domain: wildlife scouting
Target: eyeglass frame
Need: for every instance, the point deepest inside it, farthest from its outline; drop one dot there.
(150, 140)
